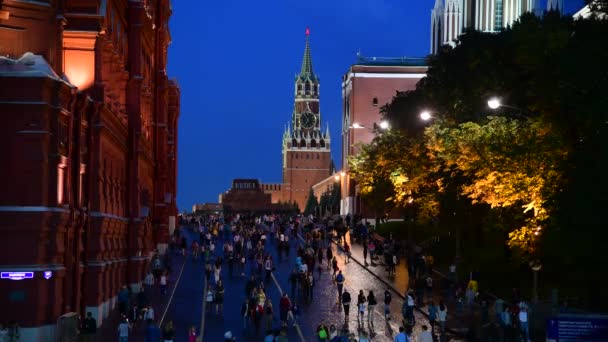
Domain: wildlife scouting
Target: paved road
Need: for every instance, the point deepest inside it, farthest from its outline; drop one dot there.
(186, 307)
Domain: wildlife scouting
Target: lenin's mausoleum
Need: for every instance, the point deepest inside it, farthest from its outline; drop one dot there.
(89, 137)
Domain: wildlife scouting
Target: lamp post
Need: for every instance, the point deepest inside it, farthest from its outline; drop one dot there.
(536, 266)
(494, 103)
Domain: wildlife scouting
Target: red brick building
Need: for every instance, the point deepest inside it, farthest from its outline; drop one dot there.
(249, 196)
(89, 135)
(366, 87)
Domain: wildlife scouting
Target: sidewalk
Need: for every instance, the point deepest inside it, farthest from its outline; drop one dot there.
(108, 329)
(400, 282)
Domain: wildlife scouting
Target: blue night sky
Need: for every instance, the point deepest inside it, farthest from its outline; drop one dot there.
(235, 62)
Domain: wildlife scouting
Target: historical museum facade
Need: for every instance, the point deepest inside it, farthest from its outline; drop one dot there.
(366, 87)
(90, 137)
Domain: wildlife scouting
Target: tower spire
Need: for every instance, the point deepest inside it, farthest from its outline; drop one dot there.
(306, 71)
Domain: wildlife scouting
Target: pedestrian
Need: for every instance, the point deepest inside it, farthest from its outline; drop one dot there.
(442, 315)
(432, 311)
(293, 281)
(217, 269)
(334, 266)
(365, 252)
(209, 298)
(401, 337)
(347, 253)
(148, 313)
(123, 330)
(163, 283)
(219, 297)
(371, 304)
(284, 307)
(152, 332)
(192, 334)
(361, 305)
(523, 323)
(311, 285)
(346, 303)
(4, 337)
(410, 303)
(168, 332)
(333, 333)
(245, 312)
(340, 284)
(329, 253)
(372, 250)
(322, 333)
(499, 305)
(89, 328)
(295, 311)
(429, 287)
(387, 304)
(425, 335)
(268, 313)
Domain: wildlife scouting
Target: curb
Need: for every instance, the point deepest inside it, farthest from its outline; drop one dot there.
(416, 308)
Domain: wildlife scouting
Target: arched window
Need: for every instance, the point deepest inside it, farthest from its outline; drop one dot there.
(302, 143)
(313, 143)
(307, 88)
(294, 143)
(375, 101)
(322, 143)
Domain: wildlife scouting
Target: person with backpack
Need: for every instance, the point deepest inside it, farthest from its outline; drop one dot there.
(340, 284)
(387, 304)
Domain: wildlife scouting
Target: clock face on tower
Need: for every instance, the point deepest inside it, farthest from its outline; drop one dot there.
(307, 120)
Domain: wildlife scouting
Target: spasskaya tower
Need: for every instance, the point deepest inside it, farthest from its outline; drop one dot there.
(306, 149)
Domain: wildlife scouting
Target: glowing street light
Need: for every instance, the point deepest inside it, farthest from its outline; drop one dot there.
(356, 125)
(384, 124)
(494, 103)
(342, 174)
(337, 178)
(426, 115)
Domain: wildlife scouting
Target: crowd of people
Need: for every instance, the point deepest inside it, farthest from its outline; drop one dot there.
(244, 247)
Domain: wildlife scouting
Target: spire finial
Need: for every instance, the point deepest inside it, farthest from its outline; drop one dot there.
(306, 71)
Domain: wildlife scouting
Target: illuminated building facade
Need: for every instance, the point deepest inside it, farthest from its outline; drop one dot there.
(366, 87)
(450, 18)
(90, 134)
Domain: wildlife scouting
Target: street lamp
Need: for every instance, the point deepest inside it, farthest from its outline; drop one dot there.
(342, 174)
(337, 178)
(494, 103)
(426, 115)
(384, 124)
(536, 266)
(356, 125)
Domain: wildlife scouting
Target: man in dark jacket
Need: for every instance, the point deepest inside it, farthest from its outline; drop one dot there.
(346, 303)
(89, 328)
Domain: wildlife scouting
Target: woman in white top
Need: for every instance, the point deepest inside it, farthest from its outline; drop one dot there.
(442, 315)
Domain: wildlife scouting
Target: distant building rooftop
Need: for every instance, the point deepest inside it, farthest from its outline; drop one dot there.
(391, 61)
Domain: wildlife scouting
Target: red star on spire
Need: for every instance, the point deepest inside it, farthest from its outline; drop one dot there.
(307, 31)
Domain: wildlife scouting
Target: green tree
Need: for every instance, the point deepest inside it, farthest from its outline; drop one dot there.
(311, 203)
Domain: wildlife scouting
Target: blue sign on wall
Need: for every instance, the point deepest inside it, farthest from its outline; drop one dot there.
(577, 328)
(17, 275)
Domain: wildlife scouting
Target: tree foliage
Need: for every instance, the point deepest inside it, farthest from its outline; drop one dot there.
(311, 203)
(538, 162)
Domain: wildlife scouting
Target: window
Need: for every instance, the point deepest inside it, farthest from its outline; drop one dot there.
(313, 143)
(302, 143)
(375, 102)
